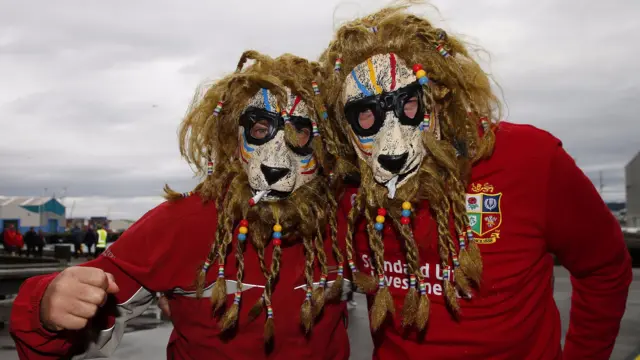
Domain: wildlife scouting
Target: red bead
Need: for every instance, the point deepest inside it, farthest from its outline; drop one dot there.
(277, 242)
(405, 220)
(382, 212)
(244, 223)
(417, 67)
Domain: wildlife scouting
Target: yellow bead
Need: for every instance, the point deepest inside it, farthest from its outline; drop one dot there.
(406, 205)
(277, 228)
(380, 218)
(421, 73)
(243, 230)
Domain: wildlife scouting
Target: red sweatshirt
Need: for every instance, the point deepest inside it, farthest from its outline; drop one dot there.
(527, 202)
(161, 252)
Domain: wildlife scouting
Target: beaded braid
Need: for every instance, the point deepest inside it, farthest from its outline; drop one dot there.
(306, 312)
(318, 297)
(362, 281)
(383, 302)
(230, 317)
(269, 326)
(335, 291)
(412, 300)
(219, 291)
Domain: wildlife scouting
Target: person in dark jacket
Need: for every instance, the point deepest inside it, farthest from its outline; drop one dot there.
(90, 240)
(31, 239)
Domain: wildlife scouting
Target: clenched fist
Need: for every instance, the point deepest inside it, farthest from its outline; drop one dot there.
(74, 296)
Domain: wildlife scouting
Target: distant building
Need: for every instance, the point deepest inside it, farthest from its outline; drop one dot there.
(44, 213)
(632, 179)
(96, 221)
(119, 225)
(79, 222)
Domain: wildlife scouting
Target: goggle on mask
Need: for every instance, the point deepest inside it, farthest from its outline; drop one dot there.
(276, 168)
(385, 108)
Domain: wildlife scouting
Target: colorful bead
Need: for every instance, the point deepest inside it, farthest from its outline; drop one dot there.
(380, 218)
(276, 235)
(381, 281)
(382, 212)
(269, 312)
(378, 226)
(244, 222)
(236, 299)
(426, 122)
(456, 263)
(242, 237)
(209, 168)
(221, 271)
(277, 228)
(412, 280)
(243, 230)
(285, 115)
(485, 123)
(423, 288)
(340, 270)
(421, 75)
(461, 242)
(277, 242)
(352, 266)
(206, 265)
(442, 50)
(315, 87)
(314, 127)
(309, 293)
(445, 273)
(187, 194)
(323, 281)
(218, 108)
(469, 234)
(338, 64)
(406, 213)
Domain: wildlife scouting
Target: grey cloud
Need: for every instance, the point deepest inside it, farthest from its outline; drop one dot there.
(93, 92)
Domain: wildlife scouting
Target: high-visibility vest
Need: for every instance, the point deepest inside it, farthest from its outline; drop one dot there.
(102, 238)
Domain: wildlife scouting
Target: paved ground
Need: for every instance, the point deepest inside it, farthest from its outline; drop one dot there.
(150, 344)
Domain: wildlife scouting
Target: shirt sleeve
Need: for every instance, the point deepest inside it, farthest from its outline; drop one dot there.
(587, 239)
(101, 336)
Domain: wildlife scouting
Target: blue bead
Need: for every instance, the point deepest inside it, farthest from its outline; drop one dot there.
(423, 80)
(277, 235)
(242, 237)
(379, 226)
(406, 213)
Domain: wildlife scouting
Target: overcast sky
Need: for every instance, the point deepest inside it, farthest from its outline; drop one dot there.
(92, 92)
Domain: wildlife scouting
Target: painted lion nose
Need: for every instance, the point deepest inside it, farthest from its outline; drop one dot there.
(393, 163)
(272, 174)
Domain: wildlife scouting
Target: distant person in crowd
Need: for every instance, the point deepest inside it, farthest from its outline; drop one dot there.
(31, 240)
(9, 239)
(90, 240)
(102, 240)
(19, 242)
(40, 243)
(76, 239)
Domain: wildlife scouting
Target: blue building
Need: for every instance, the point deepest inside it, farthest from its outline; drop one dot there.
(44, 213)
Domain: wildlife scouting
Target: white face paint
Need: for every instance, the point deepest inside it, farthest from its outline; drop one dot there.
(390, 143)
(274, 169)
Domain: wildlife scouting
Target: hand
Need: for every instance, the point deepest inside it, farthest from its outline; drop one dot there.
(74, 296)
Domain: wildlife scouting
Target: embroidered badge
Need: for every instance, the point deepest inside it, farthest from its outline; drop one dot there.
(483, 209)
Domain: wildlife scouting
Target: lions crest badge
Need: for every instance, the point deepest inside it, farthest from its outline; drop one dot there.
(483, 210)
